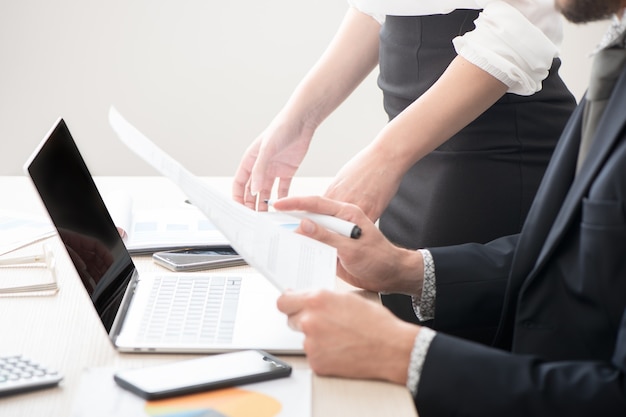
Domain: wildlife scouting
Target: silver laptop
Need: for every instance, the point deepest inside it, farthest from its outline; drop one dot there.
(167, 312)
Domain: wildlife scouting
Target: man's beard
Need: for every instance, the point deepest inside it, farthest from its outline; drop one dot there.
(583, 11)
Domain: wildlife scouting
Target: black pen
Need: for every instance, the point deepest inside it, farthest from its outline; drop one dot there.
(343, 227)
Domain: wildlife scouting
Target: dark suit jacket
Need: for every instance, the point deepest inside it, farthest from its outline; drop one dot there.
(554, 295)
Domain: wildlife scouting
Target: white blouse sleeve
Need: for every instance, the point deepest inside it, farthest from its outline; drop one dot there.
(515, 40)
(509, 47)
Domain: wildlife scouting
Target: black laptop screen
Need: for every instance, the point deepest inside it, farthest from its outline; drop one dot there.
(82, 220)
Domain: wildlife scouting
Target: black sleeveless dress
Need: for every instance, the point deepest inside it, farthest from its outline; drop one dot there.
(478, 185)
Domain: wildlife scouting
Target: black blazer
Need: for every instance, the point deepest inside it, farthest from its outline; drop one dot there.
(554, 296)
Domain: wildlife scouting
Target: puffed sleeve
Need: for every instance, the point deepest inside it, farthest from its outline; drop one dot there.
(511, 47)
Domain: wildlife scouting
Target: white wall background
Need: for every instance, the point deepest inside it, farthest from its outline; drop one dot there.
(201, 78)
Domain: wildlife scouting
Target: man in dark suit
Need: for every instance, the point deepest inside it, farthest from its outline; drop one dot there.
(553, 297)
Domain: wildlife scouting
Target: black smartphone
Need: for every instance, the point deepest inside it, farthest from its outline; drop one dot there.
(202, 374)
(196, 259)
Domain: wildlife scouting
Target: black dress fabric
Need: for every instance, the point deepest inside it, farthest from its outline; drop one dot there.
(478, 185)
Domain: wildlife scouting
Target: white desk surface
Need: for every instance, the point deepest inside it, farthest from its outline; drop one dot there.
(64, 332)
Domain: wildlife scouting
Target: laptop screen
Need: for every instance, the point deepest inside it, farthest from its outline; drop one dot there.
(82, 220)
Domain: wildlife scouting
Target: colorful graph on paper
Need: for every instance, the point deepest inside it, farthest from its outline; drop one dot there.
(232, 402)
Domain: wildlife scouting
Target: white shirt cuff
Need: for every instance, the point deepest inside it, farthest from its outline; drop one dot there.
(425, 307)
(418, 356)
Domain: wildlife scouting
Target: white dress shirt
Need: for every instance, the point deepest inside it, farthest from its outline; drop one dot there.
(515, 40)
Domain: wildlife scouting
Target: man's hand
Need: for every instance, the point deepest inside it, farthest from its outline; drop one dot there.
(370, 262)
(349, 336)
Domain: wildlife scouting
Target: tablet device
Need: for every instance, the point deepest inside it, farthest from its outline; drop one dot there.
(197, 259)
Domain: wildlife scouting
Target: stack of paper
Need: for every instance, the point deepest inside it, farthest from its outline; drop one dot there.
(28, 272)
(19, 229)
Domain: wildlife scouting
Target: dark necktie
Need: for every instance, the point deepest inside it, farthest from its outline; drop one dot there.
(605, 70)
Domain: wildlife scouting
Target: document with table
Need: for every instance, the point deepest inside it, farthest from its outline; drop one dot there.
(289, 260)
(154, 229)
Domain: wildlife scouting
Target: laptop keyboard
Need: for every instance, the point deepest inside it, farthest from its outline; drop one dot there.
(191, 310)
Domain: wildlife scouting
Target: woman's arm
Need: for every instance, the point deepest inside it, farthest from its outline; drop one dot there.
(279, 150)
(372, 177)
(510, 50)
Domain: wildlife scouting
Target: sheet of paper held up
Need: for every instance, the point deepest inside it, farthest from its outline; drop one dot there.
(289, 260)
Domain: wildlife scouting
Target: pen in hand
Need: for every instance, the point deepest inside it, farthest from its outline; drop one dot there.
(343, 227)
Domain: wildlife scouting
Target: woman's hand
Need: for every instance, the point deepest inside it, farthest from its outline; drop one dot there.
(369, 180)
(275, 154)
(279, 150)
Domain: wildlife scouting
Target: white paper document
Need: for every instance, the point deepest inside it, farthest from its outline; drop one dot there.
(288, 260)
(19, 229)
(153, 229)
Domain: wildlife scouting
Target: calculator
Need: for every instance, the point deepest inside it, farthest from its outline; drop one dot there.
(21, 374)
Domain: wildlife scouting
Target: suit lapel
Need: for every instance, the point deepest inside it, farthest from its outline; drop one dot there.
(610, 126)
(559, 199)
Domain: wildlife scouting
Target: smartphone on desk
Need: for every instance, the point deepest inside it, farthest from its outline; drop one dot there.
(202, 374)
(197, 259)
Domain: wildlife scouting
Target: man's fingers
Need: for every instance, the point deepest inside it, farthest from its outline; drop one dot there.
(290, 302)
